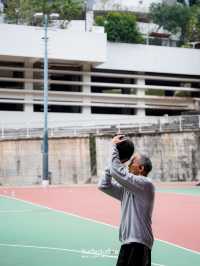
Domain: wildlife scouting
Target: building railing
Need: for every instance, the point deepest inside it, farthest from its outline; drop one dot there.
(84, 128)
(97, 99)
(98, 74)
(98, 89)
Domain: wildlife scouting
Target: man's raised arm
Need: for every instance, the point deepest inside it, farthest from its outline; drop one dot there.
(120, 172)
(109, 187)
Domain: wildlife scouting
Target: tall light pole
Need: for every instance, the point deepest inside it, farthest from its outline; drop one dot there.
(45, 153)
(45, 146)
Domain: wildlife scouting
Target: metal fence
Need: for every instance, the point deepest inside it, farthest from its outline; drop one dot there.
(161, 124)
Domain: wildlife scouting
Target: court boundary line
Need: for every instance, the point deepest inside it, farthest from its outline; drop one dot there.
(82, 252)
(94, 185)
(188, 184)
(177, 193)
(92, 220)
(55, 248)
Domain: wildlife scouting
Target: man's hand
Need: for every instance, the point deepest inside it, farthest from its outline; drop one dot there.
(118, 139)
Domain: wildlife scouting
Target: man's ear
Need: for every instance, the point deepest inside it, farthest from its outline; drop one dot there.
(141, 168)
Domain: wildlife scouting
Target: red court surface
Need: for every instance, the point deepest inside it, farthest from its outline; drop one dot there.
(176, 218)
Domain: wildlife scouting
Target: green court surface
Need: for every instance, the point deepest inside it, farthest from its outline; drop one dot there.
(32, 235)
(194, 191)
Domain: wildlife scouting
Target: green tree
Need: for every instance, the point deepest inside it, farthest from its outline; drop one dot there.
(69, 9)
(22, 11)
(194, 24)
(120, 27)
(189, 2)
(174, 18)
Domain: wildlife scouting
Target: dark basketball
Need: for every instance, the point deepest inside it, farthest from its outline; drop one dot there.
(126, 149)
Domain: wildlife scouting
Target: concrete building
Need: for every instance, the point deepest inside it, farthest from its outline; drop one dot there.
(92, 79)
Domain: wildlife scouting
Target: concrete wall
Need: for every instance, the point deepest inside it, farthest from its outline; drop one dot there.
(62, 45)
(175, 156)
(21, 161)
(152, 58)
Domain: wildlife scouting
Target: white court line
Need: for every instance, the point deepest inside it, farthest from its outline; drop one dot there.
(82, 252)
(178, 193)
(92, 220)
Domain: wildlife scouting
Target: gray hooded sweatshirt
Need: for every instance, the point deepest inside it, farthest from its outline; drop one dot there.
(136, 194)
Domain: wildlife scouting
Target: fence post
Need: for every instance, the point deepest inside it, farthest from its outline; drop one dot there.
(199, 121)
(2, 131)
(27, 131)
(140, 127)
(118, 131)
(180, 123)
(160, 124)
(51, 131)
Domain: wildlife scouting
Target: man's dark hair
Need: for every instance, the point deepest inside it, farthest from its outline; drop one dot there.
(126, 150)
(146, 162)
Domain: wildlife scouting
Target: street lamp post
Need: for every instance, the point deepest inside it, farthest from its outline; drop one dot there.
(45, 146)
(45, 153)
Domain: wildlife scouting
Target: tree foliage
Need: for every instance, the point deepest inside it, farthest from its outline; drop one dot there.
(120, 27)
(22, 11)
(189, 2)
(177, 19)
(194, 24)
(173, 18)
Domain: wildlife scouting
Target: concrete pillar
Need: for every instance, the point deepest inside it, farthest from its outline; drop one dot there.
(186, 84)
(140, 93)
(197, 105)
(28, 85)
(192, 94)
(89, 20)
(126, 91)
(2, 15)
(86, 89)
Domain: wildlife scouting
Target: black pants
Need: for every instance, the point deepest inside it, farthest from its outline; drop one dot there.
(134, 254)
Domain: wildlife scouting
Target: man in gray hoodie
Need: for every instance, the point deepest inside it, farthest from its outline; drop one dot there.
(136, 192)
